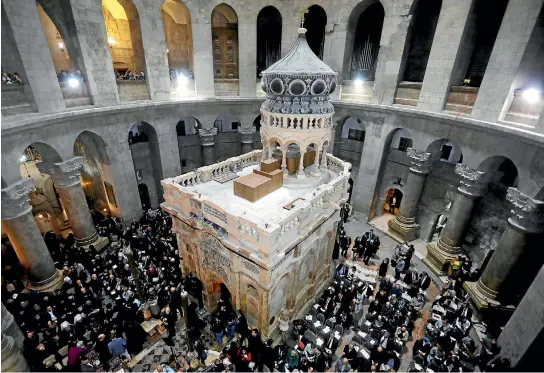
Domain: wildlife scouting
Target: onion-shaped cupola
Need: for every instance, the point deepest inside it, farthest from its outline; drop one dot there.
(299, 83)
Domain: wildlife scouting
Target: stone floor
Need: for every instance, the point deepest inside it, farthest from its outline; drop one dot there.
(357, 226)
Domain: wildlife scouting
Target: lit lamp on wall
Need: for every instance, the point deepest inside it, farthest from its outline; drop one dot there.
(111, 42)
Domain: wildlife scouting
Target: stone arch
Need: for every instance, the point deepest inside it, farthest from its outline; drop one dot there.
(359, 37)
(402, 140)
(188, 126)
(445, 150)
(315, 21)
(503, 170)
(45, 151)
(224, 24)
(269, 29)
(145, 150)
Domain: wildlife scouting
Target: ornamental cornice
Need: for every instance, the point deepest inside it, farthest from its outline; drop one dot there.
(527, 213)
(207, 136)
(473, 182)
(420, 160)
(247, 134)
(15, 199)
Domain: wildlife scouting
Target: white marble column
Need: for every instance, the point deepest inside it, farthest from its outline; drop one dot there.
(68, 184)
(207, 140)
(512, 40)
(23, 233)
(300, 172)
(449, 37)
(37, 70)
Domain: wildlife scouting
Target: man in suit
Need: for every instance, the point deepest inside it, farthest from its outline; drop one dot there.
(342, 365)
(424, 281)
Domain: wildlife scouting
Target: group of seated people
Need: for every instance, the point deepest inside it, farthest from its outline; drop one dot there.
(447, 345)
(11, 78)
(64, 76)
(366, 246)
(96, 314)
(129, 75)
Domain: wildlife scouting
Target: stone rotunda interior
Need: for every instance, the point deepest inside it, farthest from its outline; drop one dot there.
(343, 185)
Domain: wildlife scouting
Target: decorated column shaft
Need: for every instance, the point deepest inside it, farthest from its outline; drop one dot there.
(10, 327)
(247, 134)
(68, 184)
(19, 224)
(472, 186)
(207, 140)
(527, 218)
(403, 227)
(12, 358)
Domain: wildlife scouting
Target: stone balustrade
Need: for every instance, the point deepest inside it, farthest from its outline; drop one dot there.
(296, 122)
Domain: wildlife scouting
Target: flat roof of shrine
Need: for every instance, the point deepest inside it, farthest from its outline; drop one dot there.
(268, 209)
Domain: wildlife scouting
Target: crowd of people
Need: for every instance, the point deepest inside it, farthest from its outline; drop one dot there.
(97, 310)
(11, 78)
(129, 75)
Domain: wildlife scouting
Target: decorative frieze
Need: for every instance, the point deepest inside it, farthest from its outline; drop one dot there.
(215, 213)
(527, 213)
(207, 136)
(473, 182)
(15, 199)
(420, 160)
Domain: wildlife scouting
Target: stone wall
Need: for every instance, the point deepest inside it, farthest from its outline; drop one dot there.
(190, 152)
(179, 43)
(122, 53)
(141, 158)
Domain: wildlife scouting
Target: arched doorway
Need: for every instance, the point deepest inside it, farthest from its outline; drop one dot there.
(315, 21)
(268, 38)
(146, 158)
(224, 24)
(145, 200)
(392, 200)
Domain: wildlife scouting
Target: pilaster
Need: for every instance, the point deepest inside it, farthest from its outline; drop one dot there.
(207, 140)
(247, 135)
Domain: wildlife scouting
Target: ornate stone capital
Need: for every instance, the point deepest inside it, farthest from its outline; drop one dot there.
(207, 136)
(15, 200)
(473, 182)
(247, 134)
(65, 173)
(527, 214)
(420, 160)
